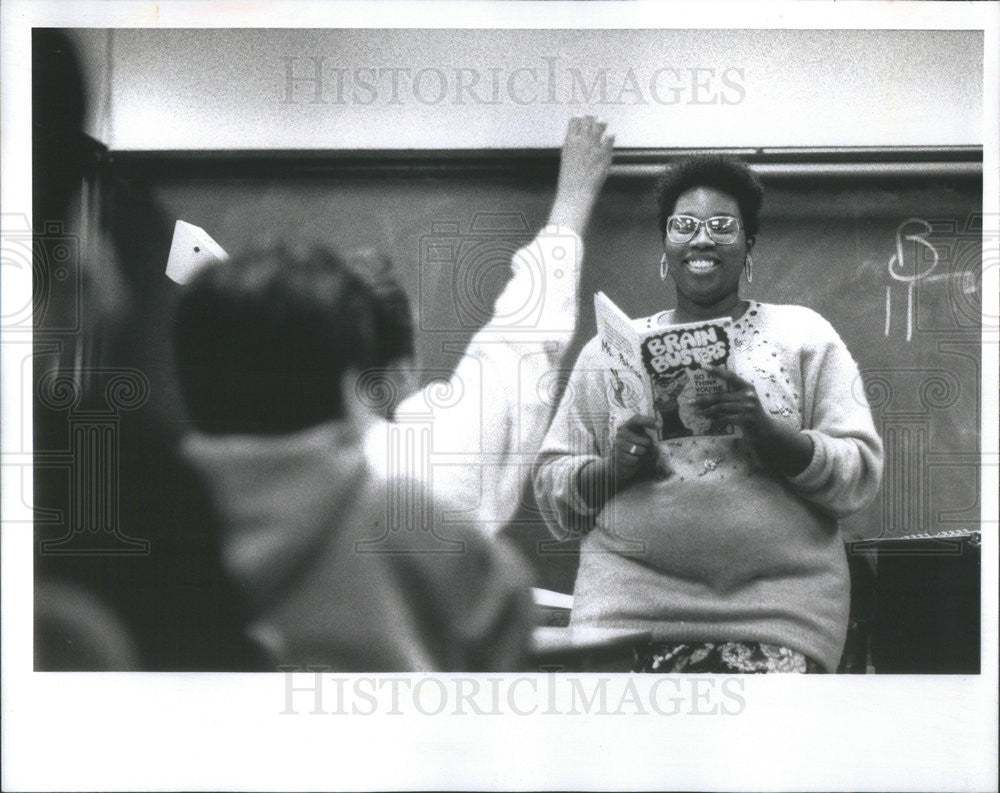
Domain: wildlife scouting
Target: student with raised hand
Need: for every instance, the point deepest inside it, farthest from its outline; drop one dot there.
(482, 429)
(348, 554)
(268, 348)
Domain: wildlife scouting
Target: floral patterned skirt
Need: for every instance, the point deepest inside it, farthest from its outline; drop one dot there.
(721, 658)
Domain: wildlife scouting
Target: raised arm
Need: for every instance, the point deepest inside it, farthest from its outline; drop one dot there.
(548, 269)
(485, 441)
(521, 370)
(583, 167)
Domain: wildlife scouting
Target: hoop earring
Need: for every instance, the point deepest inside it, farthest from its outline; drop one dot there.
(748, 267)
(664, 268)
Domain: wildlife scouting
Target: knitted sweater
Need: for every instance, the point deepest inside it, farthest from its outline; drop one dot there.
(338, 575)
(725, 549)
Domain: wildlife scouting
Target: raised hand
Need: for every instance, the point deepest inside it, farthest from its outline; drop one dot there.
(583, 168)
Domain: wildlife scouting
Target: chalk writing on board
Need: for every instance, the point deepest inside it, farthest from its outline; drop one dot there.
(920, 265)
(897, 267)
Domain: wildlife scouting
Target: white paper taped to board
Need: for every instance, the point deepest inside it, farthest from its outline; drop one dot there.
(191, 250)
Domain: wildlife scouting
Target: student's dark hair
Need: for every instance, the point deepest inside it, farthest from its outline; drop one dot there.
(726, 174)
(394, 335)
(262, 341)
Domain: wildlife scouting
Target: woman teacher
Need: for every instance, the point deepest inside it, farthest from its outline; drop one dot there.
(733, 562)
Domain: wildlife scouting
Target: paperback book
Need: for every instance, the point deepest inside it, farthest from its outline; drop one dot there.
(657, 367)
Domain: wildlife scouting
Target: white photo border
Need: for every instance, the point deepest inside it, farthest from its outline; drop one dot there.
(65, 731)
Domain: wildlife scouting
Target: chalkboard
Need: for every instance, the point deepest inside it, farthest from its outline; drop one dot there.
(893, 263)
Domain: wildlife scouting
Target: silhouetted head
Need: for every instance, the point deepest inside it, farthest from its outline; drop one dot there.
(263, 342)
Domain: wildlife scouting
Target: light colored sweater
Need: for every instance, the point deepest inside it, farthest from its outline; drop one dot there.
(341, 574)
(473, 438)
(725, 549)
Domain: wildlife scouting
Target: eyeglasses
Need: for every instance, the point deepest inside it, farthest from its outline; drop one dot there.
(723, 229)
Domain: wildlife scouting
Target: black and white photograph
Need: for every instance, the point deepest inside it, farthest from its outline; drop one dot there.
(500, 395)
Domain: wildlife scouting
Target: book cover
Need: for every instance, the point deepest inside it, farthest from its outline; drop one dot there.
(674, 357)
(658, 367)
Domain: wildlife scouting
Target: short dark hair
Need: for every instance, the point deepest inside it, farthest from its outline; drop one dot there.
(394, 333)
(721, 172)
(262, 341)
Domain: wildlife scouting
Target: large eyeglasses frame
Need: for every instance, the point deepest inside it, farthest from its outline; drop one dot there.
(722, 237)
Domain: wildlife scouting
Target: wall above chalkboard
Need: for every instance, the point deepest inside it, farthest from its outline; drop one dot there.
(267, 89)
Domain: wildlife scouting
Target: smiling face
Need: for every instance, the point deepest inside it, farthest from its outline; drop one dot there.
(707, 273)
